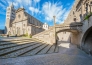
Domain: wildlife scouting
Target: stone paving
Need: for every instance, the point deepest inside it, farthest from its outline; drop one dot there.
(68, 55)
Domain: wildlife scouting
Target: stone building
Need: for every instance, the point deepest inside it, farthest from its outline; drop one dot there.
(80, 10)
(45, 26)
(19, 22)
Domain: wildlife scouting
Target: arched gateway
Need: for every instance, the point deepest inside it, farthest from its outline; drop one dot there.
(87, 41)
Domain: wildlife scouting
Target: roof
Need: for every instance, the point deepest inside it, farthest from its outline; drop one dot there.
(20, 9)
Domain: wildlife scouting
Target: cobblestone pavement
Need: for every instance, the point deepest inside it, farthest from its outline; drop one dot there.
(68, 55)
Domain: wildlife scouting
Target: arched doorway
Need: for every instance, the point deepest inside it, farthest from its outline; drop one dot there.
(87, 41)
(9, 33)
(18, 31)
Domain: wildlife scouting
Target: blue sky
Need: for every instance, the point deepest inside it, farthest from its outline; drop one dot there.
(43, 10)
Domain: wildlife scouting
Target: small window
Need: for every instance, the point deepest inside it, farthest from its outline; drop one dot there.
(8, 8)
(73, 13)
(7, 15)
(86, 4)
(91, 2)
(33, 22)
(12, 12)
(8, 12)
(7, 18)
(74, 19)
(65, 32)
(24, 24)
(18, 16)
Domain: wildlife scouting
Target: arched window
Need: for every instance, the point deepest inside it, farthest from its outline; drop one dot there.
(24, 25)
(75, 19)
(91, 2)
(18, 16)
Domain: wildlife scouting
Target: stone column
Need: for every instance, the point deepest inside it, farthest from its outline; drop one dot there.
(82, 11)
(54, 29)
(87, 8)
(90, 8)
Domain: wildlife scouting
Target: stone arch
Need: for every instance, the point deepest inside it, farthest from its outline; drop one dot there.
(64, 36)
(73, 36)
(87, 40)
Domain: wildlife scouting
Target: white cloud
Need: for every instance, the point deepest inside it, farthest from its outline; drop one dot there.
(34, 10)
(48, 9)
(27, 4)
(36, 1)
(19, 3)
(51, 10)
(24, 2)
(15, 4)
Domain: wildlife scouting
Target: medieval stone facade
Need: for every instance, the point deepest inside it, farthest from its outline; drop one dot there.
(80, 9)
(19, 22)
(78, 13)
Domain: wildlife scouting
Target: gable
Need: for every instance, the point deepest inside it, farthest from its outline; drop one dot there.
(20, 15)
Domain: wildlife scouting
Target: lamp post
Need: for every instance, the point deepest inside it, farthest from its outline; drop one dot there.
(54, 29)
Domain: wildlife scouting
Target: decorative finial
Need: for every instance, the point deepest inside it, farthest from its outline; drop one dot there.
(11, 4)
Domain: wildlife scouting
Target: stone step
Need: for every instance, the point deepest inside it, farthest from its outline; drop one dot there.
(35, 39)
(56, 49)
(13, 40)
(21, 51)
(5, 43)
(35, 51)
(12, 45)
(51, 50)
(13, 49)
(44, 51)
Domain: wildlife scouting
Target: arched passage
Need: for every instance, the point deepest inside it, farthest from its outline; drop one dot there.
(87, 40)
(64, 37)
(71, 37)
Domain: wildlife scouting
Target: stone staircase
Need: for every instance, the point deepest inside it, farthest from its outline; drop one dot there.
(50, 36)
(46, 35)
(24, 47)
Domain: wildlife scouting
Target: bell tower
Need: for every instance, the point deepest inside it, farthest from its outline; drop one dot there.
(10, 16)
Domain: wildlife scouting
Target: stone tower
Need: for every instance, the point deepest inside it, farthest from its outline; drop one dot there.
(10, 16)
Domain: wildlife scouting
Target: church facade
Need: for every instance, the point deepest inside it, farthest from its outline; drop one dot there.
(19, 22)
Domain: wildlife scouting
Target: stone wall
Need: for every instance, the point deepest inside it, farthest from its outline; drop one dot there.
(87, 27)
(46, 36)
(64, 37)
